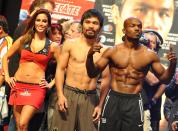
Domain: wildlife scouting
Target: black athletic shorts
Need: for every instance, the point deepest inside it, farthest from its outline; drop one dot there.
(122, 112)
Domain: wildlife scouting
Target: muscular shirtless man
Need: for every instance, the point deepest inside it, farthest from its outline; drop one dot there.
(129, 63)
(77, 101)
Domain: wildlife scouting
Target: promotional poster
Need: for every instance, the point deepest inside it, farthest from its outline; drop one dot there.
(161, 18)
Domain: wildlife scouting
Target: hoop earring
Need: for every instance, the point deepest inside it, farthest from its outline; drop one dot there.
(48, 30)
(33, 28)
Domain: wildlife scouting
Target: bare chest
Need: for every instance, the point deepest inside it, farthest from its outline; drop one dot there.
(137, 60)
(78, 55)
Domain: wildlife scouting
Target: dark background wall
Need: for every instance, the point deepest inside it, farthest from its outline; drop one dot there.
(10, 9)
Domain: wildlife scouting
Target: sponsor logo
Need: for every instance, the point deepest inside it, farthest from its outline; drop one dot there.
(25, 93)
(103, 120)
(140, 125)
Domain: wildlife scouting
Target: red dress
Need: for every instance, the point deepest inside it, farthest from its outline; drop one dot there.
(25, 93)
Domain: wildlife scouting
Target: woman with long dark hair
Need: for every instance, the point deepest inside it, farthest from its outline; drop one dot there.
(28, 86)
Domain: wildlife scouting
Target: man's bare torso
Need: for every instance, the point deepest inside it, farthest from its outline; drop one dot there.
(128, 68)
(76, 73)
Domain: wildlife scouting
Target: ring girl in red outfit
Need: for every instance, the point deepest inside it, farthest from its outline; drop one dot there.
(28, 86)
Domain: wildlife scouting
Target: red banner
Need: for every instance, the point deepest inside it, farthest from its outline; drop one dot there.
(71, 9)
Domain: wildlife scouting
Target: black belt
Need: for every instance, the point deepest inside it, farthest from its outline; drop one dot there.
(86, 92)
(26, 82)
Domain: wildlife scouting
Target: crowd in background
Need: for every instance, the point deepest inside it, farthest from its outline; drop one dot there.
(44, 115)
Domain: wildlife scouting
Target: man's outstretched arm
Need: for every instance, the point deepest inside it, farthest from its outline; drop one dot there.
(165, 76)
(93, 69)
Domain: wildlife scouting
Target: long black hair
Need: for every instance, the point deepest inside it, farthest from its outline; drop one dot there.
(30, 29)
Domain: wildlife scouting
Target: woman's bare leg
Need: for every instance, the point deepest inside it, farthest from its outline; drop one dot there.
(17, 112)
(25, 116)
